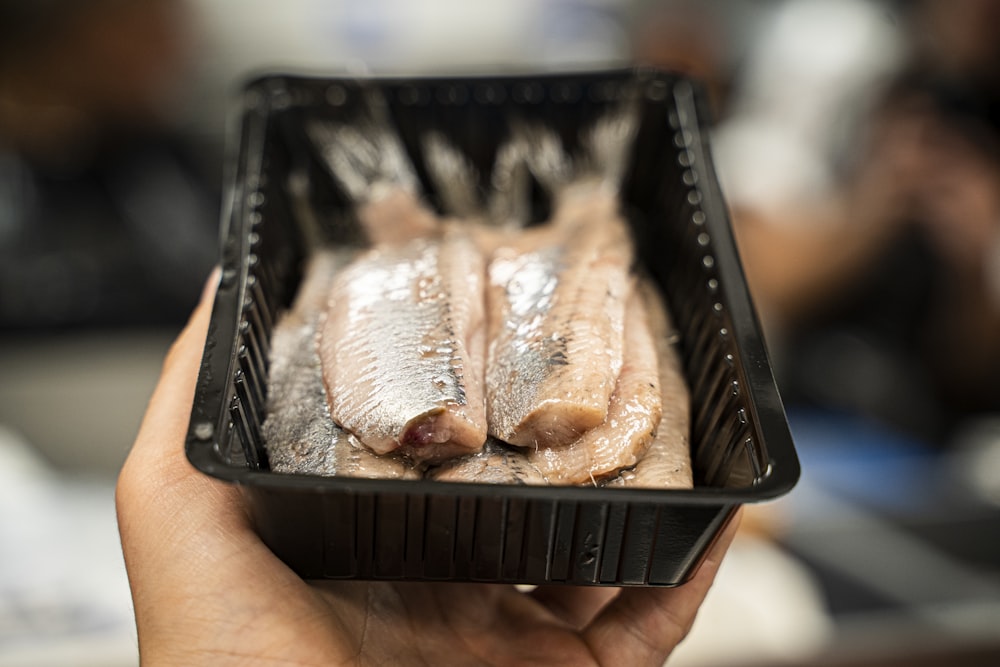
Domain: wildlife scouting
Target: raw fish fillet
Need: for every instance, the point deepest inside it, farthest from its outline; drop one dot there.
(556, 301)
(397, 216)
(299, 435)
(667, 463)
(633, 414)
(402, 347)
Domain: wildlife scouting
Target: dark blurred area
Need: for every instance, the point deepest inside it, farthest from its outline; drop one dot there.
(857, 144)
(107, 213)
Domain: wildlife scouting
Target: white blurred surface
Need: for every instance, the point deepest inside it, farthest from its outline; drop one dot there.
(240, 39)
(764, 608)
(64, 597)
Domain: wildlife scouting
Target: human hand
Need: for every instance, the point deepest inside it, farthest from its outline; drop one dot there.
(207, 591)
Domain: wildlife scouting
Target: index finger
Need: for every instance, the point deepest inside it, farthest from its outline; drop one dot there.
(166, 420)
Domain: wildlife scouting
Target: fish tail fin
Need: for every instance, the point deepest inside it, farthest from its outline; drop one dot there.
(365, 156)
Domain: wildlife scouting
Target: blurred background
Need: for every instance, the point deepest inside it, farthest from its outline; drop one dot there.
(858, 146)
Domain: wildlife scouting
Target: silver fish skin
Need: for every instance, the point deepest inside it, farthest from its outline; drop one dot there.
(299, 435)
(402, 347)
(667, 463)
(556, 301)
(633, 414)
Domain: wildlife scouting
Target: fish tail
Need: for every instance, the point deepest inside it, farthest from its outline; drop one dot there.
(365, 154)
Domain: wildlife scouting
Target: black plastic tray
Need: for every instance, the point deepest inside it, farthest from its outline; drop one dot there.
(339, 527)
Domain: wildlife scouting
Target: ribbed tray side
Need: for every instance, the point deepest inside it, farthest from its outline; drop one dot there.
(465, 538)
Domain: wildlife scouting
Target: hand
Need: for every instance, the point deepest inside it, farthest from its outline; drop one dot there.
(207, 591)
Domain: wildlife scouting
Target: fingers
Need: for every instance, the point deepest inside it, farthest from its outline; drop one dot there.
(576, 605)
(643, 626)
(175, 390)
(161, 434)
